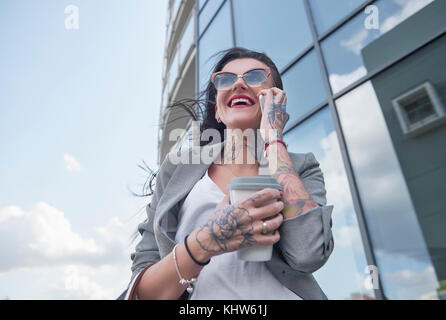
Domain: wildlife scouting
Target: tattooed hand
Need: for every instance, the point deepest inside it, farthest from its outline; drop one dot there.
(233, 226)
(274, 115)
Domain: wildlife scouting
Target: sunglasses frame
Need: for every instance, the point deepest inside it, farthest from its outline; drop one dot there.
(267, 70)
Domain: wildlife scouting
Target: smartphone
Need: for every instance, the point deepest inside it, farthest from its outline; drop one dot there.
(261, 102)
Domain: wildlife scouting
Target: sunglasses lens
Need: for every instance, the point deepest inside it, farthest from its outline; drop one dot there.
(224, 81)
(255, 78)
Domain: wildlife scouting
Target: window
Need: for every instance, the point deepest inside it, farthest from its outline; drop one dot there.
(419, 110)
(280, 29)
(187, 39)
(304, 87)
(208, 12)
(165, 98)
(342, 277)
(404, 262)
(201, 3)
(327, 13)
(216, 38)
(364, 44)
(174, 69)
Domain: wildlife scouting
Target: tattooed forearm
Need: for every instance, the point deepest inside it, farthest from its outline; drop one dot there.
(296, 198)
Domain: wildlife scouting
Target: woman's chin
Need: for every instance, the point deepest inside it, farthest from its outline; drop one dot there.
(243, 124)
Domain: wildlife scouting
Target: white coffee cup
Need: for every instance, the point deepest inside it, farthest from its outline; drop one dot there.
(241, 188)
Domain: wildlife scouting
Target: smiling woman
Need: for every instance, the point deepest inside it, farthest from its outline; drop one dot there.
(192, 231)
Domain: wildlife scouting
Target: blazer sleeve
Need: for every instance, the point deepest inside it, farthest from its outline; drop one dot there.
(306, 241)
(146, 251)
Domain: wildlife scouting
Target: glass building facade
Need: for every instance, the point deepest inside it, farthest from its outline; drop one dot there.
(366, 89)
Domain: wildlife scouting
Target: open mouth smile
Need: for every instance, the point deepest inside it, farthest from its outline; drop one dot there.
(240, 101)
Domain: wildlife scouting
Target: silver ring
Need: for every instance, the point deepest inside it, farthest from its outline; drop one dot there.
(265, 228)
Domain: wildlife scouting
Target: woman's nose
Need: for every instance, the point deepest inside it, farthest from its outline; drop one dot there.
(239, 82)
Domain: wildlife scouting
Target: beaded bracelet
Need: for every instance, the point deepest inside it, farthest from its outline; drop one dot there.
(182, 280)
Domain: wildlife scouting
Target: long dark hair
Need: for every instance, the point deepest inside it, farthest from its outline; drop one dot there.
(203, 108)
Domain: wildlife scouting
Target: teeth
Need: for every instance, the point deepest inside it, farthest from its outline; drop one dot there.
(240, 100)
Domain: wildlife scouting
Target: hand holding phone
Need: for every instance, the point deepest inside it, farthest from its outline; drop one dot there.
(274, 116)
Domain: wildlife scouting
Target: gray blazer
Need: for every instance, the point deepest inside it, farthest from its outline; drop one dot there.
(305, 244)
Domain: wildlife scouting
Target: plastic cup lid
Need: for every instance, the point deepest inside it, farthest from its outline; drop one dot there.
(253, 183)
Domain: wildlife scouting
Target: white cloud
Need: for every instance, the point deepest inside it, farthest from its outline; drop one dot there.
(43, 236)
(115, 232)
(340, 81)
(348, 236)
(336, 183)
(404, 284)
(356, 42)
(412, 278)
(42, 241)
(71, 164)
(79, 282)
(432, 295)
(422, 284)
(10, 212)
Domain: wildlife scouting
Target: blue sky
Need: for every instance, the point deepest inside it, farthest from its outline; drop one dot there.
(78, 111)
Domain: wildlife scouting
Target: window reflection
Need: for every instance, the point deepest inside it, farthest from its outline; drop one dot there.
(208, 12)
(218, 37)
(174, 68)
(342, 277)
(187, 39)
(376, 151)
(165, 98)
(348, 48)
(304, 87)
(169, 24)
(327, 13)
(258, 28)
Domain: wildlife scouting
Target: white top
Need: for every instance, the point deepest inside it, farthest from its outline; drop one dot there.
(225, 277)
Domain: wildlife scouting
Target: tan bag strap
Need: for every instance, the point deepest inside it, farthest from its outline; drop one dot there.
(134, 288)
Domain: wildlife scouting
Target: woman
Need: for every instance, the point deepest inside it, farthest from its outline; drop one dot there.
(187, 241)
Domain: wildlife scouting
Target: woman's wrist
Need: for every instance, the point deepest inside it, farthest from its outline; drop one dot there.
(279, 146)
(272, 137)
(199, 253)
(200, 263)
